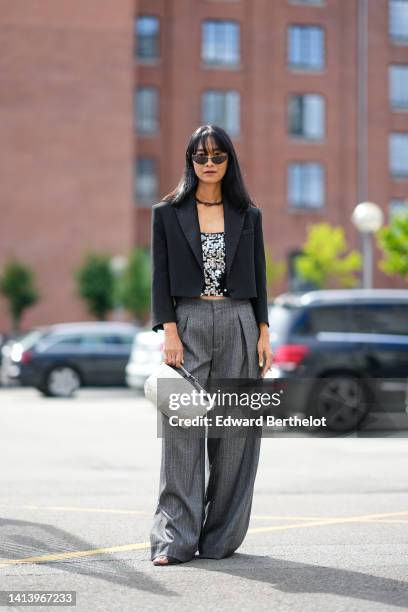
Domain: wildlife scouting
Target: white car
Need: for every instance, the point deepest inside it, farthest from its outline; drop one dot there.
(145, 356)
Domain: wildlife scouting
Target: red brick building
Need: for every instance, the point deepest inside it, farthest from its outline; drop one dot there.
(97, 106)
(312, 92)
(66, 151)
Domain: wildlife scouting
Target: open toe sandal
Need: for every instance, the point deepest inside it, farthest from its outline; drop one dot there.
(170, 560)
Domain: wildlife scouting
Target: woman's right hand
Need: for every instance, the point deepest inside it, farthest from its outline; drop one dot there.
(173, 347)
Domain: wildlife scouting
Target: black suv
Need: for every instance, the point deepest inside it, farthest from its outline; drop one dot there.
(347, 349)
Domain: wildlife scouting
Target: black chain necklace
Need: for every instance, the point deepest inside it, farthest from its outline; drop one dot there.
(208, 203)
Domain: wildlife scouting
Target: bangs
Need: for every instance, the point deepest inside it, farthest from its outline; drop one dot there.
(205, 141)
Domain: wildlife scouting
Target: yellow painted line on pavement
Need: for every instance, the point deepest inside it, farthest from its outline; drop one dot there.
(364, 518)
(386, 521)
(83, 509)
(75, 554)
(328, 521)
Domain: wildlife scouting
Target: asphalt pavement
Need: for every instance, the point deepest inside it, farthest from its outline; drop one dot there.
(79, 484)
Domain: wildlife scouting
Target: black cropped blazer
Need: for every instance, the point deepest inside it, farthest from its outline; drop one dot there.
(177, 261)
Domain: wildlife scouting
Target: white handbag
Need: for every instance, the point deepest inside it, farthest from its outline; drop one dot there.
(179, 381)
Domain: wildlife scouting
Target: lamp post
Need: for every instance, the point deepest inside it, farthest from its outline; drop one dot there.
(367, 218)
(118, 265)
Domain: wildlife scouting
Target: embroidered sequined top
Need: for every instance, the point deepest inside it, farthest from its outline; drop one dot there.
(213, 247)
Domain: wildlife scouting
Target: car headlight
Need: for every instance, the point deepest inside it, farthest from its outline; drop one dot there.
(16, 352)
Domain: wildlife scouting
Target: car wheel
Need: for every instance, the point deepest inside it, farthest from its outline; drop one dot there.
(62, 381)
(342, 399)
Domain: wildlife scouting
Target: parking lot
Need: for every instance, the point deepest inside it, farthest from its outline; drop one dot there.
(79, 486)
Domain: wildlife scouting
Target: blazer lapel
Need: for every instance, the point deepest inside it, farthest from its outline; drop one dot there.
(188, 218)
(233, 222)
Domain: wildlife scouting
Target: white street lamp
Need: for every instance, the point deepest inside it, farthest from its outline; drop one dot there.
(368, 218)
(118, 265)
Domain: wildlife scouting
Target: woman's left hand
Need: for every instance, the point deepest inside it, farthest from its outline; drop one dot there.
(265, 354)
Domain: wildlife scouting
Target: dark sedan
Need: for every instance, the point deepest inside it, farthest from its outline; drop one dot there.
(58, 359)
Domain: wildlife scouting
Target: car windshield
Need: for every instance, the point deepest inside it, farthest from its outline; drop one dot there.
(29, 340)
(85, 340)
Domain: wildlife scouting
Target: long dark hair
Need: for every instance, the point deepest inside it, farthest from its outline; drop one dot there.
(232, 184)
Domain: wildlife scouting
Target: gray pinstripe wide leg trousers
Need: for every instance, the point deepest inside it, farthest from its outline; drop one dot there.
(219, 339)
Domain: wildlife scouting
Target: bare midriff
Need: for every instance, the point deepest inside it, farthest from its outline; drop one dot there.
(213, 297)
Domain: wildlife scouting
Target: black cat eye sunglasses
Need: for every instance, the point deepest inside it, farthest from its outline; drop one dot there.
(202, 159)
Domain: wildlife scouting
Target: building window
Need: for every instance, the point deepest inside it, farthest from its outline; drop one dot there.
(397, 206)
(146, 111)
(146, 182)
(311, 2)
(398, 20)
(220, 43)
(306, 47)
(306, 184)
(398, 86)
(223, 109)
(398, 154)
(307, 116)
(147, 38)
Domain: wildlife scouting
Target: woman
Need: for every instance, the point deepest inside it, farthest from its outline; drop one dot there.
(209, 296)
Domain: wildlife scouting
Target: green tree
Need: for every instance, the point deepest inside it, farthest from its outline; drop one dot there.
(274, 270)
(95, 281)
(17, 285)
(324, 260)
(393, 240)
(136, 283)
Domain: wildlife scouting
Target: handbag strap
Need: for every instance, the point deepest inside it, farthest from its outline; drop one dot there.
(189, 375)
